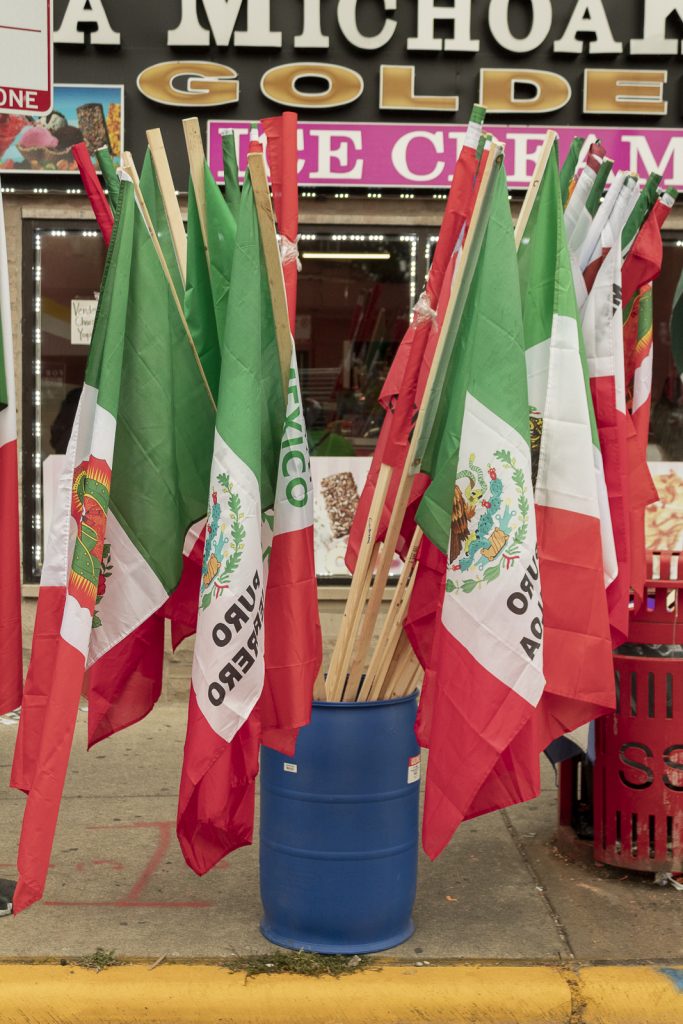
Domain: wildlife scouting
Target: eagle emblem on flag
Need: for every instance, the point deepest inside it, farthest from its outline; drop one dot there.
(489, 520)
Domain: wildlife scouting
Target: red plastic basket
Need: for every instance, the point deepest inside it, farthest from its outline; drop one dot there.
(638, 795)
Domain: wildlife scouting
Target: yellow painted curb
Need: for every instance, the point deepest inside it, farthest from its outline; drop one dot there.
(632, 995)
(180, 994)
(176, 994)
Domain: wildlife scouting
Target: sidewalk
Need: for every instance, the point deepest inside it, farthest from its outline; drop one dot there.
(500, 894)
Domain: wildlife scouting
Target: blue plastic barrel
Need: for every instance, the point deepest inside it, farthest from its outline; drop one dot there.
(339, 830)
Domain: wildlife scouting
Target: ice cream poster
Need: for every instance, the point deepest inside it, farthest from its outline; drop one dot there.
(81, 113)
(664, 519)
(337, 484)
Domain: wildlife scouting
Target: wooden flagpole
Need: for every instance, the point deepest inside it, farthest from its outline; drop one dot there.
(375, 679)
(393, 626)
(534, 185)
(195, 155)
(169, 198)
(271, 255)
(360, 584)
(129, 168)
(406, 481)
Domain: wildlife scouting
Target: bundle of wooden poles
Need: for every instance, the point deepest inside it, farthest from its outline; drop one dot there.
(360, 670)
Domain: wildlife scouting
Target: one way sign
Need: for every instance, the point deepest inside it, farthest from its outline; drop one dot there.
(26, 59)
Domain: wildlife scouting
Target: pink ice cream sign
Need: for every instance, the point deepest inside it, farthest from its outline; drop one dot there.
(362, 154)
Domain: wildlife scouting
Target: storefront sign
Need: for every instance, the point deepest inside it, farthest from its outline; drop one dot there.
(82, 113)
(389, 155)
(25, 56)
(82, 320)
(585, 62)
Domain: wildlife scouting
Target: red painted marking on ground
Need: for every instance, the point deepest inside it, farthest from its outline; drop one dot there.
(198, 905)
(132, 898)
(116, 865)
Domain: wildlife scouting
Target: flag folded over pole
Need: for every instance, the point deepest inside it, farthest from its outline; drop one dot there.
(215, 810)
(293, 637)
(402, 392)
(145, 419)
(479, 510)
(94, 191)
(604, 338)
(572, 512)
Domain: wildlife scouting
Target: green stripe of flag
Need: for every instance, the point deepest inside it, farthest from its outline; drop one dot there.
(109, 174)
(251, 381)
(487, 361)
(165, 420)
(230, 171)
(151, 193)
(545, 273)
(569, 167)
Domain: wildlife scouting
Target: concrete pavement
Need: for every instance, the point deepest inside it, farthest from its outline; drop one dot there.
(500, 892)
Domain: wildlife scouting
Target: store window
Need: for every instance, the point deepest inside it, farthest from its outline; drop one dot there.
(355, 296)
(60, 295)
(664, 519)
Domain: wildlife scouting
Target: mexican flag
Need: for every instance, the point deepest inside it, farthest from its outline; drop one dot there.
(572, 511)
(292, 596)
(283, 155)
(604, 338)
(638, 344)
(406, 380)
(10, 579)
(577, 215)
(568, 169)
(137, 470)
(215, 812)
(479, 510)
(151, 193)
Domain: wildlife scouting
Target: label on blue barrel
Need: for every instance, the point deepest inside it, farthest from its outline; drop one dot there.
(414, 769)
(290, 767)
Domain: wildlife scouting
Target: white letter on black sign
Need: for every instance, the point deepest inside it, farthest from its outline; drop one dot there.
(90, 13)
(222, 15)
(347, 15)
(499, 23)
(654, 39)
(588, 16)
(429, 12)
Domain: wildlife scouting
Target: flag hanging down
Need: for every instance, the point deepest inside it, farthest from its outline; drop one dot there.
(576, 544)
(405, 382)
(572, 511)
(215, 811)
(231, 187)
(577, 215)
(69, 586)
(479, 509)
(568, 169)
(151, 193)
(641, 266)
(94, 191)
(293, 644)
(638, 344)
(282, 151)
(604, 337)
(144, 420)
(10, 579)
(125, 670)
